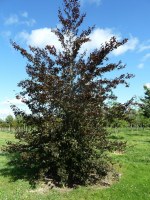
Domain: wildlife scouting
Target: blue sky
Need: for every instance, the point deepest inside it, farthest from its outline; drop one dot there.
(30, 23)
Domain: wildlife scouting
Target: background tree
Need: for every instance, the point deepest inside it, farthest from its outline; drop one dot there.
(2, 123)
(67, 94)
(146, 102)
(19, 122)
(118, 114)
(9, 121)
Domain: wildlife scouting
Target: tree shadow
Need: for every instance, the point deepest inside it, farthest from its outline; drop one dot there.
(16, 172)
(114, 137)
(134, 134)
(147, 141)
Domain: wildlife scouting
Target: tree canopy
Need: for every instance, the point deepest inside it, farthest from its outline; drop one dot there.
(146, 103)
(67, 94)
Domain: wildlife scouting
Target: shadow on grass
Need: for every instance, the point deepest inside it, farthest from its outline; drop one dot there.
(139, 133)
(15, 171)
(148, 141)
(136, 134)
(114, 137)
(3, 154)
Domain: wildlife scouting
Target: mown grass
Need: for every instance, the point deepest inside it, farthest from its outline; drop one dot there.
(134, 183)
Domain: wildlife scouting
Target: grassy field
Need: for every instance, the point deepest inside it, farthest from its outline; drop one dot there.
(134, 183)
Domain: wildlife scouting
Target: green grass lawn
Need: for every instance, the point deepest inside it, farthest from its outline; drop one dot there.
(134, 183)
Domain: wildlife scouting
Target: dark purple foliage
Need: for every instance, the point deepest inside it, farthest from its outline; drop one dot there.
(67, 94)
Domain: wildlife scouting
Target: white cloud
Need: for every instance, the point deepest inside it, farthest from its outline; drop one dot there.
(129, 46)
(5, 109)
(4, 112)
(146, 57)
(140, 66)
(24, 14)
(29, 22)
(97, 2)
(41, 37)
(13, 19)
(24, 35)
(6, 33)
(98, 37)
(144, 47)
(11, 101)
(147, 85)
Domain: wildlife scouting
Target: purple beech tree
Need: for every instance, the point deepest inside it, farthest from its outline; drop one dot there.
(67, 93)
